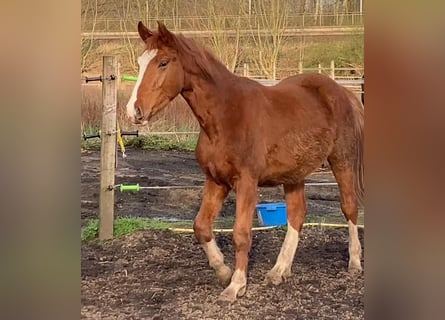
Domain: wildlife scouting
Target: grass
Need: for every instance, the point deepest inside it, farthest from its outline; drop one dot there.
(126, 225)
(158, 142)
(89, 130)
(91, 144)
(346, 53)
(152, 142)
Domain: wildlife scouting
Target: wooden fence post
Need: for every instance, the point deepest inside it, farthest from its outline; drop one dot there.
(108, 147)
(332, 69)
(319, 68)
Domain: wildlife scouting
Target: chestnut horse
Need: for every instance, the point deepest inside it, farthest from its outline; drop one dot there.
(252, 135)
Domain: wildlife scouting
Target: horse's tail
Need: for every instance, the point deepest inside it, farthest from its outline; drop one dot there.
(358, 165)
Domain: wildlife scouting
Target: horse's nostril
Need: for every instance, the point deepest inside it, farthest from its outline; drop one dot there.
(138, 113)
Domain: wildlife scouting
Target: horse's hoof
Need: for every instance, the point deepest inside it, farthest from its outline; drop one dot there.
(227, 296)
(273, 278)
(355, 266)
(224, 275)
(241, 292)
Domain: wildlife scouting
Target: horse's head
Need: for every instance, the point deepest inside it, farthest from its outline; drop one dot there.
(161, 74)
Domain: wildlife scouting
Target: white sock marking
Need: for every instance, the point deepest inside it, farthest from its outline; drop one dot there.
(287, 252)
(237, 284)
(216, 258)
(355, 248)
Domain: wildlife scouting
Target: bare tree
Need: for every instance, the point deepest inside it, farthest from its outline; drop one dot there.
(345, 8)
(89, 21)
(175, 14)
(319, 11)
(130, 12)
(302, 6)
(341, 7)
(303, 9)
(268, 34)
(224, 23)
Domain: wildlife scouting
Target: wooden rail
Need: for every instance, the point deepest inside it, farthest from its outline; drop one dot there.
(192, 23)
(294, 32)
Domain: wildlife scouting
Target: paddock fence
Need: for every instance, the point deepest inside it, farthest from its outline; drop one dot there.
(226, 22)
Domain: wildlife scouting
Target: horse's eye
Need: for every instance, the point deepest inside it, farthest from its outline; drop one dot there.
(163, 64)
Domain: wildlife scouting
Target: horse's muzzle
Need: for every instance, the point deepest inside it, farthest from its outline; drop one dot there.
(138, 115)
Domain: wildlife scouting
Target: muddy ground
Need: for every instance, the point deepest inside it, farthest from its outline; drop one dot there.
(164, 168)
(165, 275)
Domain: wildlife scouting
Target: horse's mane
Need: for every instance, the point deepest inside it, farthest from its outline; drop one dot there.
(194, 58)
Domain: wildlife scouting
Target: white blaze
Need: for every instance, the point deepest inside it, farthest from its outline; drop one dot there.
(143, 62)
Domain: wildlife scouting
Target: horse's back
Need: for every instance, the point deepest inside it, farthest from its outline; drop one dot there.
(331, 98)
(322, 86)
(309, 80)
(303, 102)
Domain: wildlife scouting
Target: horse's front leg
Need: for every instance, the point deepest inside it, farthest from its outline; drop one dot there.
(212, 201)
(242, 237)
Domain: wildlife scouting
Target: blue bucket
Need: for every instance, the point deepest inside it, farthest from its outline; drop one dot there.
(272, 214)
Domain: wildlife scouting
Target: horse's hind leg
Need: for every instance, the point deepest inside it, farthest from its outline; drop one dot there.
(296, 212)
(212, 201)
(344, 175)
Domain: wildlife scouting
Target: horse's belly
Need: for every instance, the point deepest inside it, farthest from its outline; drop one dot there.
(277, 176)
(287, 168)
(297, 155)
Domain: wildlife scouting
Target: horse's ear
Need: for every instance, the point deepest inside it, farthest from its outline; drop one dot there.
(165, 35)
(144, 33)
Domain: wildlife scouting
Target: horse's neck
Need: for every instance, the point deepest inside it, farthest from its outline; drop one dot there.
(207, 103)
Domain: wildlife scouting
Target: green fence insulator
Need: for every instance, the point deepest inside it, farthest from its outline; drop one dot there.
(129, 78)
(131, 187)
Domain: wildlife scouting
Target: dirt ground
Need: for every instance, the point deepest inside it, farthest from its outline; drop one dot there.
(165, 275)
